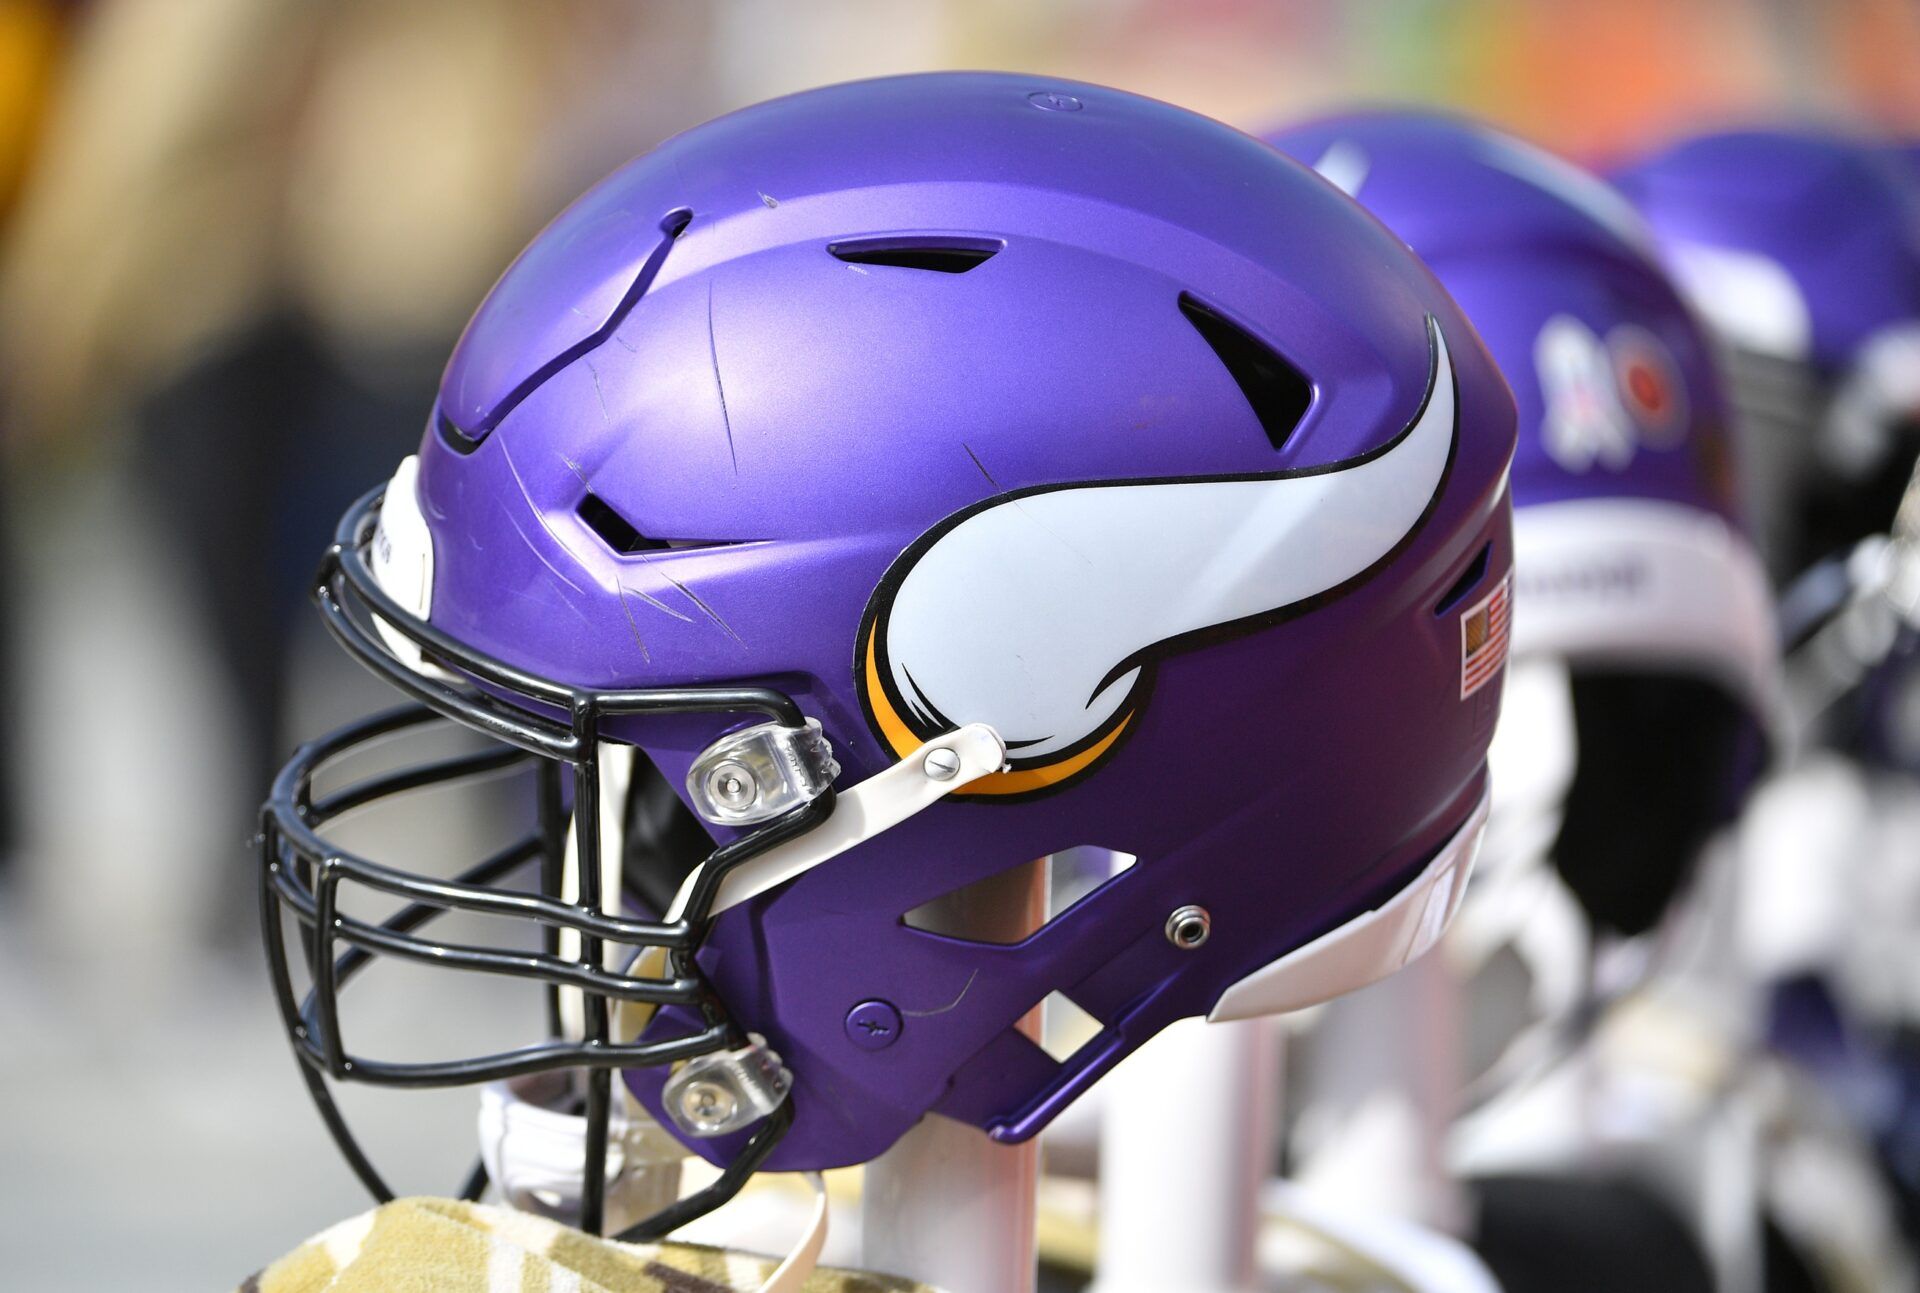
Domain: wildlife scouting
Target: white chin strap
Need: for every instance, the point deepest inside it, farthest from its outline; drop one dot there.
(877, 804)
(533, 1154)
(1647, 584)
(616, 776)
(804, 1256)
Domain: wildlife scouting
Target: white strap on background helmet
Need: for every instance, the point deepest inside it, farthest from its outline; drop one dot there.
(1749, 299)
(1649, 583)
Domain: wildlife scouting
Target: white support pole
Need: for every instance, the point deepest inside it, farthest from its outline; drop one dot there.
(946, 1205)
(1186, 1139)
(1384, 1079)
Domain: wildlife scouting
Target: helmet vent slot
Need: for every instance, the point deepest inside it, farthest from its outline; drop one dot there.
(940, 255)
(671, 226)
(452, 436)
(620, 534)
(615, 530)
(1278, 393)
(1074, 876)
(1469, 579)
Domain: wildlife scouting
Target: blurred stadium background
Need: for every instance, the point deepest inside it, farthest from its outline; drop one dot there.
(237, 238)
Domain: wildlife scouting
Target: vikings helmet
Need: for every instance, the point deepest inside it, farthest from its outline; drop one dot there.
(869, 493)
(1801, 249)
(1644, 652)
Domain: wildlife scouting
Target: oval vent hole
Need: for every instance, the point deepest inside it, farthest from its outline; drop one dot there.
(1469, 578)
(942, 256)
(1277, 391)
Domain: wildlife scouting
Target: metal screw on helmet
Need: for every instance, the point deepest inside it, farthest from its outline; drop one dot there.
(707, 1103)
(725, 1092)
(732, 784)
(942, 764)
(1188, 927)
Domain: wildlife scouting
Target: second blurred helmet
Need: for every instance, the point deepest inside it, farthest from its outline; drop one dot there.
(1645, 656)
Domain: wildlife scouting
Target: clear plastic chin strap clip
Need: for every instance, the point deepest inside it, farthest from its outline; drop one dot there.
(760, 772)
(727, 1091)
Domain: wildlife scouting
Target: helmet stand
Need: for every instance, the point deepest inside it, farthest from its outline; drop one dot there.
(1227, 1081)
(946, 1205)
(1224, 1079)
(1397, 1042)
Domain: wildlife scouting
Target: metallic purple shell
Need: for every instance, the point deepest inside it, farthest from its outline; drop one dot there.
(740, 386)
(1520, 237)
(1838, 213)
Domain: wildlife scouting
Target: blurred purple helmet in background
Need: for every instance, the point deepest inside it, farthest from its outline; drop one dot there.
(980, 399)
(1801, 249)
(1829, 209)
(1636, 586)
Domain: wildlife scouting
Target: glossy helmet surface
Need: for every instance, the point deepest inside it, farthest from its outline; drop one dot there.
(987, 412)
(1801, 248)
(1645, 655)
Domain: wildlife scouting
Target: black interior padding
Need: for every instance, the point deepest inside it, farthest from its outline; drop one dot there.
(1573, 1234)
(1835, 512)
(1659, 756)
(1784, 1267)
(663, 841)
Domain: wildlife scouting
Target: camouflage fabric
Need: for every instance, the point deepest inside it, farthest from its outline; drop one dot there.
(440, 1246)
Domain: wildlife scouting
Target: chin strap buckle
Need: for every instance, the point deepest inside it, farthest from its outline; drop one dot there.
(727, 1091)
(533, 1148)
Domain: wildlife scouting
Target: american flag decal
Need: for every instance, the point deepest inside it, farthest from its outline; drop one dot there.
(1483, 637)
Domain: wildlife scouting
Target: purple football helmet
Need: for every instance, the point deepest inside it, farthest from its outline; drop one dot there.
(1642, 619)
(1801, 249)
(880, 489)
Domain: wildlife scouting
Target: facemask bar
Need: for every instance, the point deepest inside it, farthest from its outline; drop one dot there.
(301, 874)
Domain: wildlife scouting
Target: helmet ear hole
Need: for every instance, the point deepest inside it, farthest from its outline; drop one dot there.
(663, 841)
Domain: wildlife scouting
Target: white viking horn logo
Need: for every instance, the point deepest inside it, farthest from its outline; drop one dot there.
(1041, 611)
